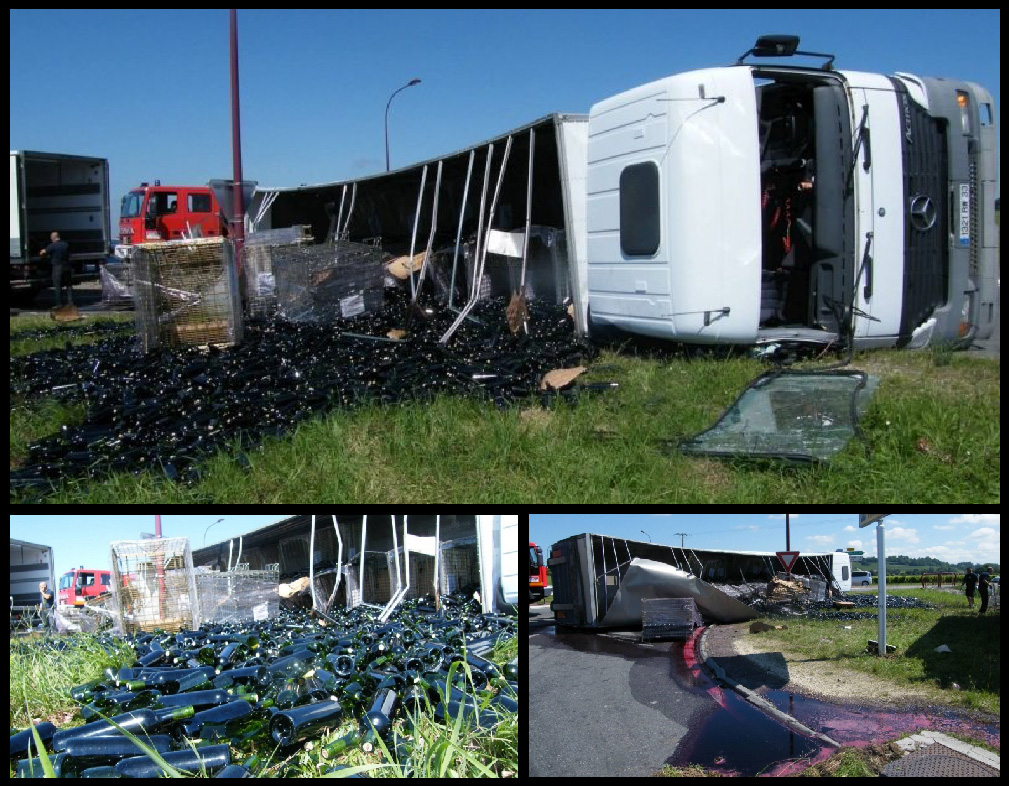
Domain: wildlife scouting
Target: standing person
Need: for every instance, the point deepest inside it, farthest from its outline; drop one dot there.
(59, 252)
(48, 604)
(970, 579)
(983, 580)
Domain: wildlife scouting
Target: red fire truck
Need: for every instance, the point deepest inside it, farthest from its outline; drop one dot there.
(77, 585)
(537, 573)
(152, 213)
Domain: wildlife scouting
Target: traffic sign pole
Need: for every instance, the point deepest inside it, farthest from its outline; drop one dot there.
(881, 552)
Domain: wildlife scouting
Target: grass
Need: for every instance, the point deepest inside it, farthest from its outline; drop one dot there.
(43, 669)
(931, 435)
(972, 666)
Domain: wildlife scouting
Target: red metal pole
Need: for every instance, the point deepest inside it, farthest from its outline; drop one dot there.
(160, 569)
(238, 220)
(788, 545)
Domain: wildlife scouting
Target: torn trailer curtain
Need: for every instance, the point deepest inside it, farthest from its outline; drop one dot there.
(802, 416)
(646, 578)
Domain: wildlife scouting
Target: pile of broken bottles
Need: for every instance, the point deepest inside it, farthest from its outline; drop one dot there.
(260, 691)
(171, 407)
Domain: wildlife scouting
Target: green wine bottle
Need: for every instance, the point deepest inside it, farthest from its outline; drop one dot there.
(294, 725)
(136, 721)
(211, 757)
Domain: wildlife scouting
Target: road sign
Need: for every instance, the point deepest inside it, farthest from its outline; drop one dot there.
(854, 553)
(787, 559)
(865, 519)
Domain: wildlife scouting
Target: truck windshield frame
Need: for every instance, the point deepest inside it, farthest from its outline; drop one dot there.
(131, 204)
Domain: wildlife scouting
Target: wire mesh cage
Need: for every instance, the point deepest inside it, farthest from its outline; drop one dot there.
(186, 292)
(260, 281)
(154, 584)
(376, 586)
(460, 565)
(117, 284)
(421, 572)
(238, 595)
(327, 282)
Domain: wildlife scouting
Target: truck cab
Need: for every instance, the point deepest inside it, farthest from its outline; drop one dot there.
(762, 203)
(155, 213)
(77, 585)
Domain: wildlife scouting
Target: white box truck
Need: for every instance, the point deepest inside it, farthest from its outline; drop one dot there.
(30, 564)
(56, 192)
(761, 203)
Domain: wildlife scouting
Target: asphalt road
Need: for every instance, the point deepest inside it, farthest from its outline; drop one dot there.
(604, 705)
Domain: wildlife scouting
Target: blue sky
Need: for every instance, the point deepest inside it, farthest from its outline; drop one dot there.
(950, 536)
(149, 89)
(85, 540)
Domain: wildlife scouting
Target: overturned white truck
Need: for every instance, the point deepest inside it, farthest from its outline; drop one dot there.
(599, 581)
(748, 204)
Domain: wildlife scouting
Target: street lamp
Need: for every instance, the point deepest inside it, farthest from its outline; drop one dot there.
(208, 530)
(411, 83)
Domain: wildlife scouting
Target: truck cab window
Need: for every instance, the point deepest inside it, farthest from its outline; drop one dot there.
(639, 209)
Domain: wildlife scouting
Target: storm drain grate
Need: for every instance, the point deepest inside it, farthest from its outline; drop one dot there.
(943, 762)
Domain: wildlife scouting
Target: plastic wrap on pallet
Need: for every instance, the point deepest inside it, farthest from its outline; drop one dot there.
(117, 284)
(153, 584)
(672, 618)
(186, 292)
(238, 595)
(260, 280)
(325, 283)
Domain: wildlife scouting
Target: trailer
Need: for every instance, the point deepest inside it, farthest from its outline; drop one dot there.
(749, 204)
(30, 564)
(56, 192)
(380, 560)
(599, 580)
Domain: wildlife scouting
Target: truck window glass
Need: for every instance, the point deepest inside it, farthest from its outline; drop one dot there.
(131, 205)
(639, 209)
(199, 203)
(793, 415)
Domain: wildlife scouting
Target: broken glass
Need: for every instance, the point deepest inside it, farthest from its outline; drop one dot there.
(795, 415)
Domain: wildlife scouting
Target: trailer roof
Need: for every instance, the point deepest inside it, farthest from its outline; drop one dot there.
(26, 543)
(43, 154)
(716, 551)
(554, 118)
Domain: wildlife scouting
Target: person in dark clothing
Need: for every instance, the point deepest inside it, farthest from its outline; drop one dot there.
(59, 253)
(48, 607)
(983, 581)
(970, 579)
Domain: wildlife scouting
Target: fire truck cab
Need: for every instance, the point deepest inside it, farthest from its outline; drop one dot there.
(537, 573)
(77, 585)
(154, 213)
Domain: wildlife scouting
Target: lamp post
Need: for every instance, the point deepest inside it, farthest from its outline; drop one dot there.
(411, 83)
(208, 530)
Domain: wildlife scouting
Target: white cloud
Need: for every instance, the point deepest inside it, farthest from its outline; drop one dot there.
(903, 534)
(821, 540)
(976, 518)
(984, 532)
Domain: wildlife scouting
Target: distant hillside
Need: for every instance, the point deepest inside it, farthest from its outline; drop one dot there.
(900, 565)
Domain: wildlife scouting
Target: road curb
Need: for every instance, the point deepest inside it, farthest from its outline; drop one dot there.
(756, 700)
